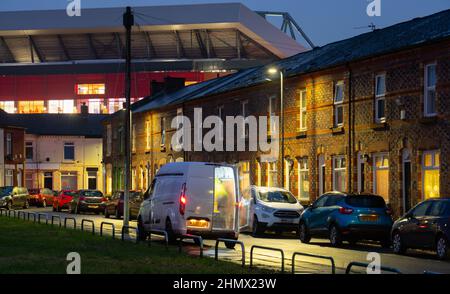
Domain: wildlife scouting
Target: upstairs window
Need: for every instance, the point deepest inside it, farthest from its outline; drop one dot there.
(380, 101)
(9, 144)
(430, 90)
(29, 151)
(69, 151)
(163, 130)
(303, 113)
(91, 89)
(338, 104)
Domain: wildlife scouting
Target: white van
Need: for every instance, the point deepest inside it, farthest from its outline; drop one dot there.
(269, 208)
(192, 198)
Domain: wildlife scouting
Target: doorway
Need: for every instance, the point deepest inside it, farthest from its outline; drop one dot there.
(48, 180)
(322, 174)
(406, 181)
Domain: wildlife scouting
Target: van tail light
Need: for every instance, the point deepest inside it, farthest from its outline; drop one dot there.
(345, 210)
(183, 199)
(104, 199)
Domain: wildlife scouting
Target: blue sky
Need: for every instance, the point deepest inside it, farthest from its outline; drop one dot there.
(323, 20)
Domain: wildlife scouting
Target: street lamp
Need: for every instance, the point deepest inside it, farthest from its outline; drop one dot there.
(274, 71)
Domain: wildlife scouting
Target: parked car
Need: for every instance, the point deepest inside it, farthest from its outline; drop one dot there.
(266, 208)
(114, 206)
(425, 226)
(351, 217)
(87, 201)
(14, 197)
(63, 199)
(194, 198)
(41, 197)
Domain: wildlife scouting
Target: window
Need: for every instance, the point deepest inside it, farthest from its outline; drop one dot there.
(91, 89)
(8, 106)
(148, 134)
(31, 107)
(380, 101)
(29, 183)
(69, 151)
(9, 177)
(61, 106)
(272, 174)
(303, 179)
(431, 175)
(244, 113)
(29, 150)
(381, 176)
(9, 144)
(338, 104)
(258, 174)
(133, 139)
(287, 174)
(339, 170)
(92, 180)
(430, 90)
(95, 106)
(303, 113)
(272, 113)
(163, 130)
(108, 140)
(115, 105)
(69, 181)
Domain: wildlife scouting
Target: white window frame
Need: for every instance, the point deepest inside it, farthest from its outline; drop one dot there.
(303, 110)
(379, 97)
(338, 104)
(427, 88)
(336, 169)
(302, 168)
(433, 166)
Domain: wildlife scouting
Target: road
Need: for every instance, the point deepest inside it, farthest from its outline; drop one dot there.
(416, 262)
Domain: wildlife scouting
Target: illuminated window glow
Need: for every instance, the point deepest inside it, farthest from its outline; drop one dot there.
(91, 89)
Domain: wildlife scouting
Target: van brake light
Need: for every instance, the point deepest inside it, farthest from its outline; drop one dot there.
(183, 199)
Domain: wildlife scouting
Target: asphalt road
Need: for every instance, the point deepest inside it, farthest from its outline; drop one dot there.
(415, 262)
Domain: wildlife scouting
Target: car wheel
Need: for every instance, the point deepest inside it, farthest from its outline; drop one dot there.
(170, 232)
(397, 244)
(304, 235)
(26, 205)
(335, 236)
(257, 230)
(230, 245)
(442, 247)
(142, 235)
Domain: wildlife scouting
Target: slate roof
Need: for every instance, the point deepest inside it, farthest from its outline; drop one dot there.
(401, 36)
(87, 125)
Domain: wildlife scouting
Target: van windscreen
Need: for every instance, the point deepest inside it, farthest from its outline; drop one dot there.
(365, 201)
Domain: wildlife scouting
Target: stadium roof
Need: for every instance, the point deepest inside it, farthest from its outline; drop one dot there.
(418, 31)
(226, 32)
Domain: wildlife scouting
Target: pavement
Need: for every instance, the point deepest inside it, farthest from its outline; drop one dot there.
(415, 262)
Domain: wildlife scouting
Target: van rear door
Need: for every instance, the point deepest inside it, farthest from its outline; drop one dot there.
(200, 192)
(225, 193)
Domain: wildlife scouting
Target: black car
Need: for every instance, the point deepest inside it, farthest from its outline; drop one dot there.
(426, 226)
(114, 206)
(87, 201)
(14, 197)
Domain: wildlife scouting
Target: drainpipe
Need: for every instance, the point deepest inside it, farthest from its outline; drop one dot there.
(350, 127)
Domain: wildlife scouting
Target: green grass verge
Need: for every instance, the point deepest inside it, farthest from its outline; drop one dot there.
(31, 248)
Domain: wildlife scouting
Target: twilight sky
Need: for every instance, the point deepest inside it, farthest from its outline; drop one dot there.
(324, 21)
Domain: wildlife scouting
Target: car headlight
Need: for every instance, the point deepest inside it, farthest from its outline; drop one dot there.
(267, 209)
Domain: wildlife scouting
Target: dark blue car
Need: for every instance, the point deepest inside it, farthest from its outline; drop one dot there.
(350, 217)
(426, 226)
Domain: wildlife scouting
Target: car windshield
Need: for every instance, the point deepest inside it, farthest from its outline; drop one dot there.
(5, 191)
(69, 193)
(92, 193)
(276, 196)
(365, 201)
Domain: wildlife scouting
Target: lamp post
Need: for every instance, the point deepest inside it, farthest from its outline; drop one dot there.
(274, 71)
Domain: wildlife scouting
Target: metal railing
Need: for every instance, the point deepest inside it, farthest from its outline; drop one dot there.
(19, 213)
(56, 217)
(33, 214)
(269, 249)
(12, 211)
(83, 221)
(216, 248)
(3, 210)
(191, 237)
(74, 221)
(43, 214)
(108, 224)
(365, 265)
(159, 233)
(333, 265)
(127, 228)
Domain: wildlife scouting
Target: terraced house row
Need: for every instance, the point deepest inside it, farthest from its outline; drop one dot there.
(366, 114)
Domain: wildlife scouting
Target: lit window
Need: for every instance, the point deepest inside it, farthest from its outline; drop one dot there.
(91, 89)
(381, 176)
(115, 105)
(271, 110)
(338, 104)
(430, 90)
(148, 134)
(303, 113)
(8, 106)
(61, 106)
(95, 106)
(272, 174)
(431, 174)
(303, 179)
(244, 176)
(339, 174)
(380, 102)
(31, 107)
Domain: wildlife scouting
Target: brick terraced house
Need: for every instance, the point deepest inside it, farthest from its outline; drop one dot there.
(366, 114)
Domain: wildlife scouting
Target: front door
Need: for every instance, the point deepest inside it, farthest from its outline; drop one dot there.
(48, 180)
